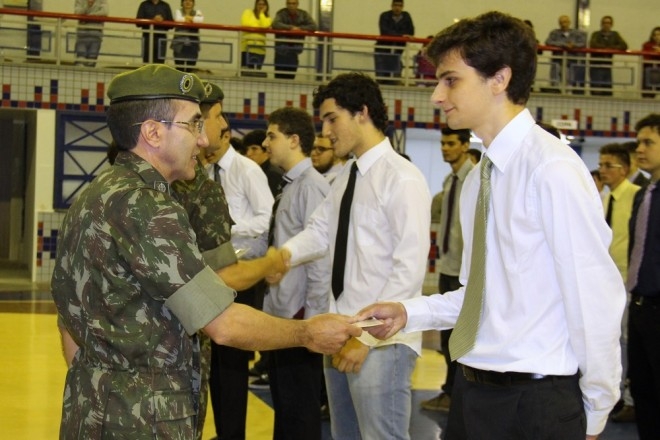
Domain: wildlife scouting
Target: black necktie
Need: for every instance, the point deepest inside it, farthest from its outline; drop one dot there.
(339, 261)
(610, 206)
(278, 197)
(216, 173)
(450, 212)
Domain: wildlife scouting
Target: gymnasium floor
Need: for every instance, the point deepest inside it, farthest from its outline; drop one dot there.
(33, 371)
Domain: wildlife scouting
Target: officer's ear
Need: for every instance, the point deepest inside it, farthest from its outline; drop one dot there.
(152, 132)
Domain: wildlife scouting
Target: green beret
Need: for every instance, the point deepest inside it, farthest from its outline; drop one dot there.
(155, 81)
(212, 93)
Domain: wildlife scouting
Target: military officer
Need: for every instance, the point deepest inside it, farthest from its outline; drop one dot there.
(132, 287)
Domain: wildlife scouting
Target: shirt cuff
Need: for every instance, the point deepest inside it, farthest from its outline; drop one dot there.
(419, 315)
(200, 300)
(222, 256)
(596, 421)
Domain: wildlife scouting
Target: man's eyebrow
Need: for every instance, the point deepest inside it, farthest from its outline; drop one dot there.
(445, 73)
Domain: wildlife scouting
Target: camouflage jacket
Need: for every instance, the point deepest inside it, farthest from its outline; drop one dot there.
(126, 246)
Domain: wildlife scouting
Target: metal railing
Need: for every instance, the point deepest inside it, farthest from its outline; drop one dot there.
(626, 74)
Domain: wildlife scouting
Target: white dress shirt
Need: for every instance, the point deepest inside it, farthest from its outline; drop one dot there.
(388, 236)
(250, 201)
(554, 298)
(333, 172)
(306, 285)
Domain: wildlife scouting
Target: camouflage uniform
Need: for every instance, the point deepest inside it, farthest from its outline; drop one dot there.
(132, 289)
(207, 208)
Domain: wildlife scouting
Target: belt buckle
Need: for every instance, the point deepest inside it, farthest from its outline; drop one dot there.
(639, 301)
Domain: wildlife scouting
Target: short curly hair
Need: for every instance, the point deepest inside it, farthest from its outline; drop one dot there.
(353, 91)
(292, 120)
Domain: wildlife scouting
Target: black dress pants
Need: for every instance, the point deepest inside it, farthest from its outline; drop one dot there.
(448, 283)
(549, 409)
(228, 384)
(295, 383)
(644, 366)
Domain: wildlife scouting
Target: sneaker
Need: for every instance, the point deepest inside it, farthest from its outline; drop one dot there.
(626, 415)
(438, 403)
(261, 383)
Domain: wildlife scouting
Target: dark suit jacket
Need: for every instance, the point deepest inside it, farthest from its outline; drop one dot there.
(648, 283)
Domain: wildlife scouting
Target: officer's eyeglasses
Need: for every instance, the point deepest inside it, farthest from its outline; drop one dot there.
(609, 166)
(197, 124)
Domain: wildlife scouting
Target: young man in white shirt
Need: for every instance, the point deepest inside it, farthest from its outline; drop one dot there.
(385, 249)
(537, 325)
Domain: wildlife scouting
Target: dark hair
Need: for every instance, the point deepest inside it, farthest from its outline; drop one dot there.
(254, 9)
(631, 147)
(255, 137)
(353, 91)
(595, 173)
(474, 153)
(463, 134)
(292, 120)
(124, 118)
(618, 151)
(489, 43)
(657, 28)
(237, 143)
(113, 150)
(651, 121)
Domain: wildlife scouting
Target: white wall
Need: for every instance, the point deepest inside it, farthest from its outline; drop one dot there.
(634, 19)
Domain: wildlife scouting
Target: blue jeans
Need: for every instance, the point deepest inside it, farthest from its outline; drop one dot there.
(374, 404)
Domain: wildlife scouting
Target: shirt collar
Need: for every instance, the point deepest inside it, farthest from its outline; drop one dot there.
(144, 169)
(616, 192)
(464, 170)
(510, 139)
(227, 159)
(298, 169)
(372, 155)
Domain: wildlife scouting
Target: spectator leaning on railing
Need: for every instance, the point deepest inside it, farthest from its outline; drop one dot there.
(90, 33)
(253, 45)
(651, 77)
(185, 43)
(567, 39)
(286, 52)
(155, 10)
(605, 38)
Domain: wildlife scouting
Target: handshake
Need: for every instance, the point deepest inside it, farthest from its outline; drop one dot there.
(280, 263)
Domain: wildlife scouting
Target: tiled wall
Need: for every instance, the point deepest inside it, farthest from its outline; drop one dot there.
(432, 269)
(39, 86)
(48, 228)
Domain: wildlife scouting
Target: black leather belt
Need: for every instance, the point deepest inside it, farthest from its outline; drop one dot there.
(507, 378)
(646, 300)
